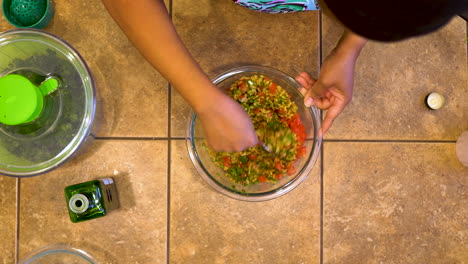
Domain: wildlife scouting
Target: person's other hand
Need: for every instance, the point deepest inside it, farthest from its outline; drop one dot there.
(227, 125)
(332, 91)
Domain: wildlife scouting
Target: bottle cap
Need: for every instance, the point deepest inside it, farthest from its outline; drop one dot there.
(78, 203)
(435, 101)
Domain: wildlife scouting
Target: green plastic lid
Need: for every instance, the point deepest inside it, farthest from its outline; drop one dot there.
(20, 100)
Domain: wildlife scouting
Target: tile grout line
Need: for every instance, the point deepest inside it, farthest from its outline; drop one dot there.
(168, 192)
(17, 224)
(322, 157)
(169, 155)
(320, 57)
(178, 138)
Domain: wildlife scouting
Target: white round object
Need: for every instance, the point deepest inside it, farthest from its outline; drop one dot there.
(78, 203)
(435, 101)
(462, 148)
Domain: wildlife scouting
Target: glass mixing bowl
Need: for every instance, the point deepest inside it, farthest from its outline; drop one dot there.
(214, 175)
(64, 125)
(58, 254)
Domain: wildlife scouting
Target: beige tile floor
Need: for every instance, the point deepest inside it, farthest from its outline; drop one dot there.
(387, 189)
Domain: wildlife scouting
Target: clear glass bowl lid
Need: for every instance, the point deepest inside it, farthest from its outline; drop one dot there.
(66, 118)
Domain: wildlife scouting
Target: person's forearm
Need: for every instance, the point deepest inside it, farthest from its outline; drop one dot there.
(148, 25)
(350, 44)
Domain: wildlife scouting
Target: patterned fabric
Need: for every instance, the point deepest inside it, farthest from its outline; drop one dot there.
(279, 6)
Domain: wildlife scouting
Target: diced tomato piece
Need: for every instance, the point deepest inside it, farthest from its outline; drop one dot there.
(252, 156)
(228, 89)
(272, 87)
(301, 151)
(291, 170)
(297, 128)
(297, 119)
(227, 162)
(260, 94)
(301, 136)
(262, 179)
(291, 123)
(269, 114)
(243, 175)
(256, 111)
(243, 87)
(279, 176)
(278, 166)
(267, 79)
(240, 97)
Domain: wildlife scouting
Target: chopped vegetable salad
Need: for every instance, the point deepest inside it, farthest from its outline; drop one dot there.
(276, 123)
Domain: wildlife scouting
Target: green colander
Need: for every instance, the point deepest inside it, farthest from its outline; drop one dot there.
(28, 13)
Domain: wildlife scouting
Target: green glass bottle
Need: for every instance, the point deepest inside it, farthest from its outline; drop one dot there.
(91, 199)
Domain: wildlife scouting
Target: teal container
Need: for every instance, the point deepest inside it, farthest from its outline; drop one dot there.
(32, 14)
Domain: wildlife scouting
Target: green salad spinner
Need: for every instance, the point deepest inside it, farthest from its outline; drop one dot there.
(28, 13)
(47, 102)
(20, 100)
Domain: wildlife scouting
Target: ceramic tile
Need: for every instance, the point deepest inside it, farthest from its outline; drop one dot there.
(7, 219)
(221, 35)
(134, 233)
(4, 25)
(208, 227)
(392, 81)
(394, 203)
(132, 96)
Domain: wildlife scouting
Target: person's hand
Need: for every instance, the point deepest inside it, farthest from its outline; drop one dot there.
(334, 88)
(332, 91)
(227, 125)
